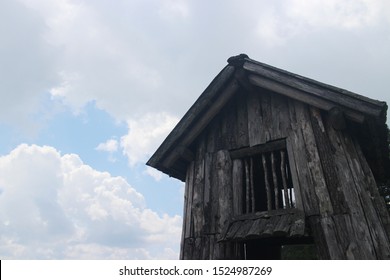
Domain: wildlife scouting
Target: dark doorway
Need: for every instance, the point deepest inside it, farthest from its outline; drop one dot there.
(279, 249)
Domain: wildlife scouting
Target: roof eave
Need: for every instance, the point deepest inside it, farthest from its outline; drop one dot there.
(200, 106)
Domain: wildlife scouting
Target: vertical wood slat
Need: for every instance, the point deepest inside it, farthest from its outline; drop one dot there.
(284, 179)
(375, 230)
(255, 119)
(198, 197)
(275, 180)
(300, 168)
(252, 186)
(242, 120)
(186, 245)
(293, 198)
(247, 188)
(238, 186)
(224, 178)
(267, 185)
(208, 195)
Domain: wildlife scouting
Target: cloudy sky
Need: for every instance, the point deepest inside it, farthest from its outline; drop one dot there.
(89, 89)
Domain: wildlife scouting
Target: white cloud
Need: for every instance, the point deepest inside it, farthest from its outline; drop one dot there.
(154, 173)
(54, 206)
(110, 145)
(145, 135)
(132, 57)
(280, 22)
(22, 83)
(349, 14)
(172, 9)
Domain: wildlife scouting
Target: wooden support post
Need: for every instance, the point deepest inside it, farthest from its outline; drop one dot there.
(247, 187)
(252, 186)
(267, 186)
(292, 195)
(275, 180)
(284, 179)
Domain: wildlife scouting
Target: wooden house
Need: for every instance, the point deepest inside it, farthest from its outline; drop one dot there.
(271, 158)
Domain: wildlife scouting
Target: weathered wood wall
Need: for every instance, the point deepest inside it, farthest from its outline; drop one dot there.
(332, 180)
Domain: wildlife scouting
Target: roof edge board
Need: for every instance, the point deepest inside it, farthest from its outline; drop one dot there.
(340, 96)
(334, 88)
(302, 96)
(203, 121)
(195, 110)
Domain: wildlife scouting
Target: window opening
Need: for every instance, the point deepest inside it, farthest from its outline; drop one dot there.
(266, 177)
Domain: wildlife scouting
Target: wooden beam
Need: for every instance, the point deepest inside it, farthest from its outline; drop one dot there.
(337, 119)
(204, 120)
(259, 149)
(207, 97)
(317, 89)
(302, 96)
(267, 185)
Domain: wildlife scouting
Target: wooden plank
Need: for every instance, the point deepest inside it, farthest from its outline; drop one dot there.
(303, 97)
(332, 241)
(297, 228)
(377, 232)
(198, 248)
(200, 148)
(258, 149)
(198, 197)
(213, 109)
(270, 227)
(318, 234)
(313, 161)
(317, 91)
(252, 188)
(213, 134)
(283, 226)
(267, 185)
(378, 202)
(314, 82)
(275, 180)
(229, 125)
(350, 241)
(255, 119)
(280, 116)
(224, 178)
(268, 214)
(268, 123)
(242, 120)
(243, 230)
(185, 207)
(298, 154)
(214, 213)
(207, 196)
(188, 249)
(325, 151)
(207, 97)
(233, 230)
(206, 247)
(294, 175)
(238, 187)
(337, 119)
(284, 178)
(212, 242)
(247, 187)
(188, 198)
(256, 228)
(348, 180)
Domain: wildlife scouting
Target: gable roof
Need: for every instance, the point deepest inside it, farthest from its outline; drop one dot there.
(242, 71)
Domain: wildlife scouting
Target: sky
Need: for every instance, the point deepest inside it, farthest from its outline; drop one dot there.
(89, 89)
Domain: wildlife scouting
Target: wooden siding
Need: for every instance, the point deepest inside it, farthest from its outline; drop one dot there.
(332, 181)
